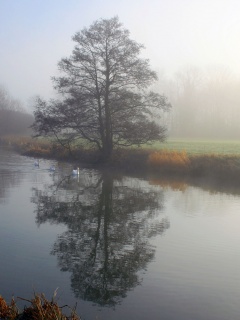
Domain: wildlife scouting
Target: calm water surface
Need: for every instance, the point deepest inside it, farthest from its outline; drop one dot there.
(121, 248)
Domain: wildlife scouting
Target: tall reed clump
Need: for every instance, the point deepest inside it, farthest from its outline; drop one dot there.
(40, 309)
(8, 311)
(167, 160)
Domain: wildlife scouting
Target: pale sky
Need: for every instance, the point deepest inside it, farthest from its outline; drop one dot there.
(36, 34)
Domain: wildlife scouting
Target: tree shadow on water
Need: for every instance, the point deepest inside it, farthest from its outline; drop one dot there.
(110, 222)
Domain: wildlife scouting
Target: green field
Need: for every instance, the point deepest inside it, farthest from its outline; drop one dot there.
(194, 147)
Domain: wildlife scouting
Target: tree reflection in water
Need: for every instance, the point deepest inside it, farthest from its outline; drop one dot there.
(109, 225)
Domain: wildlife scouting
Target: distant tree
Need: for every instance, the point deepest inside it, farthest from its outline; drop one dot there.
(4, 98)
(15, 122)
(8, 103)
(104, 93)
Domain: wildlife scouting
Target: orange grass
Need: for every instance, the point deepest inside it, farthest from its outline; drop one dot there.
(169, 159)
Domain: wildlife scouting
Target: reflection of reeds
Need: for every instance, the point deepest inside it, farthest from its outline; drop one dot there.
(40, 309)
(166, 183)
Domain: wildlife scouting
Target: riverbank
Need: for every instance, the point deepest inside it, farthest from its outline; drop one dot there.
(217, 169)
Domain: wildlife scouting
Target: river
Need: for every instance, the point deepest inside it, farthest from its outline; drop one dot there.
(118, 247)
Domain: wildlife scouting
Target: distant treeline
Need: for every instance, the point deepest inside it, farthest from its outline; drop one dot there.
(15, 122)
(13, 118)
(206, 103)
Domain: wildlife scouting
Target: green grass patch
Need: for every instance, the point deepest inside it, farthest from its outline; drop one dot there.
(199, 147)
(191, 147)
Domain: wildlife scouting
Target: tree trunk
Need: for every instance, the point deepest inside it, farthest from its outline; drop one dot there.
(107, 151)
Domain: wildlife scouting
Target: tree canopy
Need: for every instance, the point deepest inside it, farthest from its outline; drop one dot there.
(104, 96)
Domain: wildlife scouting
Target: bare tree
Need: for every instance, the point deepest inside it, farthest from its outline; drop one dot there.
(7, 102)
(104, 92)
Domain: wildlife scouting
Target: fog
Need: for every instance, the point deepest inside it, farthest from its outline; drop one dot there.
(14, 119)
(192, 44)
(205, 103)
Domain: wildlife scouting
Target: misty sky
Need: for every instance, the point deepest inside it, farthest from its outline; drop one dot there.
(36, 34)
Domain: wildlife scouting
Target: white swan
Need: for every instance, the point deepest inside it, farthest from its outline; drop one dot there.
(75, 172)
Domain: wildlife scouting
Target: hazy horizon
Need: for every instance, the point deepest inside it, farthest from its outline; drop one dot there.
(35, 35)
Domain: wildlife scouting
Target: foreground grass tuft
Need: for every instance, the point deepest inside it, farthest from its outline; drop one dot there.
(39, 309)
(8, 311)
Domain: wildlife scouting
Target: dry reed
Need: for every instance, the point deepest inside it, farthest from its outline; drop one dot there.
(169, 160)
(40, 309)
